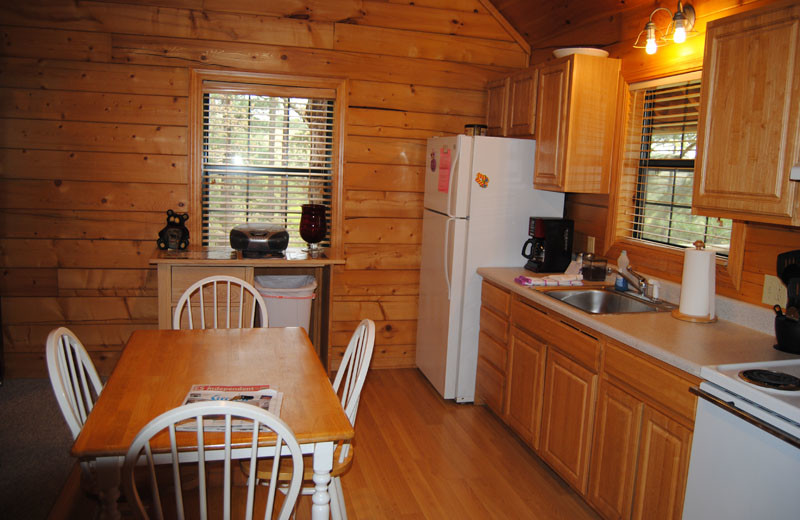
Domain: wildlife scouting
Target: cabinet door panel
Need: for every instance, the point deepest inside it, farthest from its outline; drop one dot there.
(567, 421)
(522, 101)
(525, 378)
(497, 107)
(749, 117)
(613, 468)
(551, 126)
(662, 468)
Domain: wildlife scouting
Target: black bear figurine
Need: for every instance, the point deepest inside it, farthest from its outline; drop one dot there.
(174, 235)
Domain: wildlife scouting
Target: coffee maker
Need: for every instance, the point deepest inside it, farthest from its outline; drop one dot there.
(549, 250)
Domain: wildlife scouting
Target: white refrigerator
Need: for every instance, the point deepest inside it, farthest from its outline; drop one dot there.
(479, 196)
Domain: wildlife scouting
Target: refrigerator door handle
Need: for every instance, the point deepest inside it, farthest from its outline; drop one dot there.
(453, 169)
(445, 255)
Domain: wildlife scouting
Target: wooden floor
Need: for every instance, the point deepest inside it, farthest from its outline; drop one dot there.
(421, 457)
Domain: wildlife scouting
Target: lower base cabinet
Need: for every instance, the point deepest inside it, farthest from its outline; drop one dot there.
(523, 409)
(567, 419)
(640, 459)
(662, 468)
(618, 431)
(614, 452)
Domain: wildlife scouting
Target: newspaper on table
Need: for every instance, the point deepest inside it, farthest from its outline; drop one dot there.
(258, 395)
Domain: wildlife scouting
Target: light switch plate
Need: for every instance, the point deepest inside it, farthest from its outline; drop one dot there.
(774, 291)
(590, 244)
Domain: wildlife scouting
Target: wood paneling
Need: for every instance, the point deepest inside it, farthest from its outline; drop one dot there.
(91, 106)
(93, 77)
(92, 166)
(433, 46)
(298, 60)
(94, 135)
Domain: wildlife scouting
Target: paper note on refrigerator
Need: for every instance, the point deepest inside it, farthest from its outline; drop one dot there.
(444, 170)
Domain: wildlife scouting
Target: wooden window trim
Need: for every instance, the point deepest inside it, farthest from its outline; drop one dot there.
(198, 77)
(661, 261)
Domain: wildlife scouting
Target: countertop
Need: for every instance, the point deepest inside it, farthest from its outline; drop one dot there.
(684, 345)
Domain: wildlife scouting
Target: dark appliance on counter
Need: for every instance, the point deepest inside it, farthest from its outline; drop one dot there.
(259, 240)
(549, 250)
(787, 324)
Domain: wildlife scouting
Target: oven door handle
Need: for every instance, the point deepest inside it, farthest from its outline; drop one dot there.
(755, 421)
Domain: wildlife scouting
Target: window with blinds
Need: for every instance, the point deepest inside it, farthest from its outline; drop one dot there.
(263, 157)
(658, 170)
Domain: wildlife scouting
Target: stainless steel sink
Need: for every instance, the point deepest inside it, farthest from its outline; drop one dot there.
(607, 301)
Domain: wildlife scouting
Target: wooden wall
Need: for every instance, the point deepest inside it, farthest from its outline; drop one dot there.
(93, 146)
(614, 26)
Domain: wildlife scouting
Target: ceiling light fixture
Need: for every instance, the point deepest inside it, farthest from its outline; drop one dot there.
(679, 28)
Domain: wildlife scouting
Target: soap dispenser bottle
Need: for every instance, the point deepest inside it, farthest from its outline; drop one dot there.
(620, 283)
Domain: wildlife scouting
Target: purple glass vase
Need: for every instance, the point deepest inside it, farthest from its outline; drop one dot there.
(313, 225)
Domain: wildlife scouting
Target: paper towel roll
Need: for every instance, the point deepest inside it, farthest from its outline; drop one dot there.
(698, 287)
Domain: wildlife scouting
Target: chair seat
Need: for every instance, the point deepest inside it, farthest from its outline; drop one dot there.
(264, 470)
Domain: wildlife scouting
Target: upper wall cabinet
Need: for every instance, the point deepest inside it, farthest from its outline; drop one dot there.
(576, 113)
(522, 103)
(749, 115)
(512, 104)
(497, 109)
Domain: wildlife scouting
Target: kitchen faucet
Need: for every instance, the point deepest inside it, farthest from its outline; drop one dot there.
(638, 281)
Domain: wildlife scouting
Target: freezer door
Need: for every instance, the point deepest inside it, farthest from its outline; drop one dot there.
(440, 299)
(447, 167)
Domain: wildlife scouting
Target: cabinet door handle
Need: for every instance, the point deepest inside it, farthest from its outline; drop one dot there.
(741, 414)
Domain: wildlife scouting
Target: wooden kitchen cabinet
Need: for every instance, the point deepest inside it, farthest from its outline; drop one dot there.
(614, 423)
(526, 370)
(497, 107)
(749, 128)
(490, 380)
(576, 113)
(662, 468)
(522, 103)
(511, 109)
(642, 440)
(569, 399)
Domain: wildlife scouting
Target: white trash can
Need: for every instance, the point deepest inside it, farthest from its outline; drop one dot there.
(288, 299)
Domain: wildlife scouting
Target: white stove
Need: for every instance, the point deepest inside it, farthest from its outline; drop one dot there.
(778, 407)
(745, 458)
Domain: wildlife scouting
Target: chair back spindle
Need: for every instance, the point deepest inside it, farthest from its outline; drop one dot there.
(250, 304)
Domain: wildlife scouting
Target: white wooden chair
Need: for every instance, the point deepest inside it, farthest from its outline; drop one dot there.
(180, 460)
(75, 382)
(347, 384)
(239, 298)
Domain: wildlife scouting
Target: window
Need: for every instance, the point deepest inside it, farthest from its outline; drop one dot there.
(658, 169)
(264, 150)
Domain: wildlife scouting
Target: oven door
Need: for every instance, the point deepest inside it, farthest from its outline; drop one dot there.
(741, 467)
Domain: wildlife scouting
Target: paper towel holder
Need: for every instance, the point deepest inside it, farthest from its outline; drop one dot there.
(677, 314)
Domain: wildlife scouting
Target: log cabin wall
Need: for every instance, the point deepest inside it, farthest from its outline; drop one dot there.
(615, 29)
(93, 147)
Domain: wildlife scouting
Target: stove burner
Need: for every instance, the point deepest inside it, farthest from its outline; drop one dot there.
(770, 379)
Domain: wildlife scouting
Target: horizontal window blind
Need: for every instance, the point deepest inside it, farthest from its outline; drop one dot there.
(658, 171)
(264, 156)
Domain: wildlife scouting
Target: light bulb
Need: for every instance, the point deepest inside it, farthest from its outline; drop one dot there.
(651, 47)
(679, 36)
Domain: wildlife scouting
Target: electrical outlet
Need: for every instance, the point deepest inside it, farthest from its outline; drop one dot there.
(590, 244)
(774, 291)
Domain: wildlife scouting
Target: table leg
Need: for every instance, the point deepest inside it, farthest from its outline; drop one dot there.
(323, 463)
(107, 471)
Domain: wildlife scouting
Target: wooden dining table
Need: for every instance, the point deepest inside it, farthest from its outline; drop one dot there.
(158, 367)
